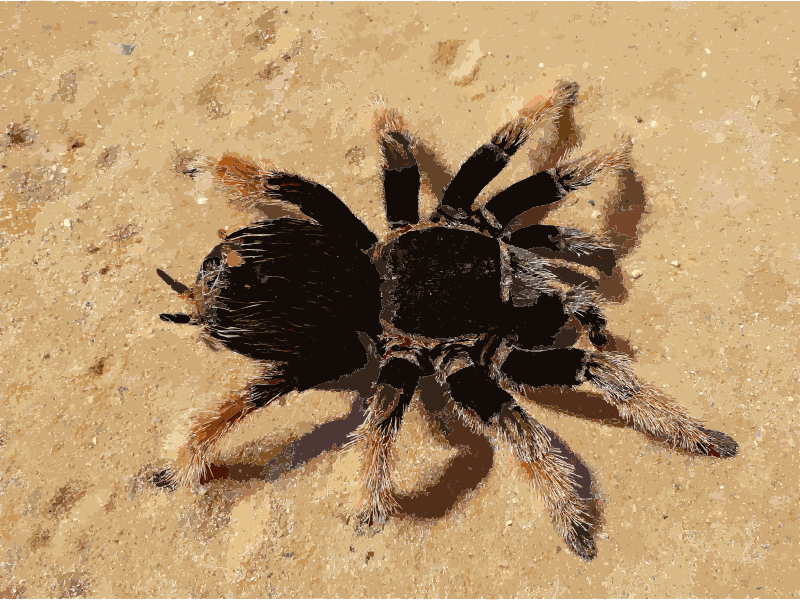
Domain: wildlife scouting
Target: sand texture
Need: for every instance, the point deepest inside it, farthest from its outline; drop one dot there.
(105, 107)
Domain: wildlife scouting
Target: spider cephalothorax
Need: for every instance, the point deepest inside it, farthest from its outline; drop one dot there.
(459, 296)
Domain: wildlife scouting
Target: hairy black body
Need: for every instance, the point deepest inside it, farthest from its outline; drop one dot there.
(459, 295)
(444, 282)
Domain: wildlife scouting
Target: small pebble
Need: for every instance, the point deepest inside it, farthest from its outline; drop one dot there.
(636, 274)
(676, 263)
(708, 51)
(595, 214)
(508, 523)
(703, 74)
(504, 564)
(67, 222)
(191, 53)
(202, 200)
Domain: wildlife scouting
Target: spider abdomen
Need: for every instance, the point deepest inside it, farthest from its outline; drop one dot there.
(297, 287)
(444, 282)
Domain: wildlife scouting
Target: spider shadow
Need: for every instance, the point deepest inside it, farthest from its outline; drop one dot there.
(463, 473)
(472, 464)
(623, 216)
(326, 437)
(434, 174)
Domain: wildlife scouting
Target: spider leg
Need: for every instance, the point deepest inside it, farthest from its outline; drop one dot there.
(535, 283)
(251, 184)
(551, 186)
(487, 408)
(582, 303)
(207, 428)
(566, 243)
(488, 160)
(375, 437)
(637, 402)
(401, 179)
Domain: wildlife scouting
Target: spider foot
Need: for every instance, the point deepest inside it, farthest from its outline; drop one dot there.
(592, 250)
(163, 479)
(369, 520)
(598, 338)
(719, 445)
(580, 541)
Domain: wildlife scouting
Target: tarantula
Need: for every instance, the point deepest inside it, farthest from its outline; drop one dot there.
(457, 296)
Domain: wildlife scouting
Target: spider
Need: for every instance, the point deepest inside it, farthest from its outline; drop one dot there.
(459, 296)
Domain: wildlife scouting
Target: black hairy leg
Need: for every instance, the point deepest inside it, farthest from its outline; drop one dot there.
(488, 409)
(401, 179)
(547, 187)
(206, 429)
(491, 158)
(582, 303)
(538, 311)
(640, 404)
(375, 437)
(566, 243)
(252, 185)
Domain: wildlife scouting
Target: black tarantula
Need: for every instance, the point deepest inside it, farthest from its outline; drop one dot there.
(457, 296)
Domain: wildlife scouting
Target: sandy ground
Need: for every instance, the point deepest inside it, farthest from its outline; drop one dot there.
(101, 106)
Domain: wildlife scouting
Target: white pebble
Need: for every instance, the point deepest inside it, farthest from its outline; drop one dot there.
(636, 274)
(67, 222)
(708, 51)
(202, 200)
(191, 53)
(676, 263)
(508, 523)
(595, 214)
(541, 64)
(703, 74)
(65, 170)
(653, 123)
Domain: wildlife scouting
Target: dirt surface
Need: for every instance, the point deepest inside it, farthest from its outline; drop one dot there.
(103, 108)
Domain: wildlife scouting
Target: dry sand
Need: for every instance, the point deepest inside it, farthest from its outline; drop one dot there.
(94, 385)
